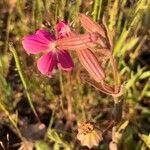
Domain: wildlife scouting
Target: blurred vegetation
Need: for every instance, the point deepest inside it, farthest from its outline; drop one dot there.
(127, 22)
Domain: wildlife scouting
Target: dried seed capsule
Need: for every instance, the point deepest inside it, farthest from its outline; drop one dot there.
(89, 135)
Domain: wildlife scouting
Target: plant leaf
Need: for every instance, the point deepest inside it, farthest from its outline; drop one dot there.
(41, 145)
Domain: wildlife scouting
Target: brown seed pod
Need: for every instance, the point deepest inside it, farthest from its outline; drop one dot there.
(89, 135)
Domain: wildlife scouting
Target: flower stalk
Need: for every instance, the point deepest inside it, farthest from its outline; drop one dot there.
(116, 91)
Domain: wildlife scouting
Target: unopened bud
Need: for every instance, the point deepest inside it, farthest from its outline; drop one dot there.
(90, 25)
(91, 64)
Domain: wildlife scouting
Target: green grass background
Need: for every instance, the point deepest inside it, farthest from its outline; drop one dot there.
(20, 81)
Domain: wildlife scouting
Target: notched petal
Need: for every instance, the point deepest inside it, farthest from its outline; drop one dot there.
(37, 42)
(45, 35)
(33, 44)
(47, 63)
(63, 29)
(65, 61)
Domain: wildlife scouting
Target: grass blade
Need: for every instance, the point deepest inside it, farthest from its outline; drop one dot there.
(12, 49)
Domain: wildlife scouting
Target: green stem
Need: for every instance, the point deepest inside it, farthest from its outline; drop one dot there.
(144, 90)
(115, 74)
(50, 124)
(7, 32)
(95, 10)
(12, 49)
(99, 10)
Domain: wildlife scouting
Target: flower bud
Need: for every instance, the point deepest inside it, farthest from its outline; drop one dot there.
(77, 42)
(90, 25)
(91, 64)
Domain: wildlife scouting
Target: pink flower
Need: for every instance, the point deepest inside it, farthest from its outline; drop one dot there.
(43, 41)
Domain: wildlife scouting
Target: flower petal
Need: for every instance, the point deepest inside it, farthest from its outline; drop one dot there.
(33, 45)
(65, 61)
(47, 63)
(37, 42)
(63, 29)
(45, 35)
